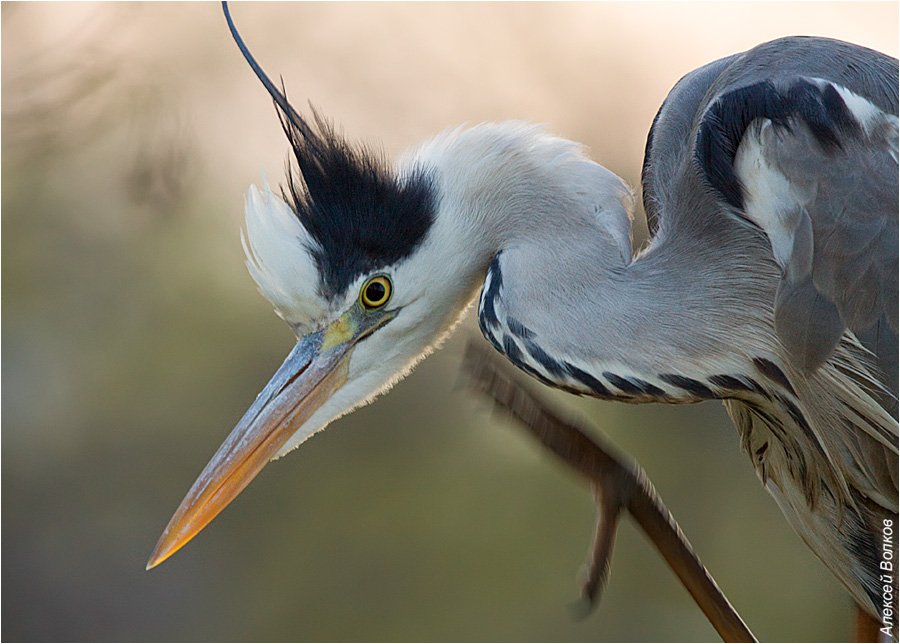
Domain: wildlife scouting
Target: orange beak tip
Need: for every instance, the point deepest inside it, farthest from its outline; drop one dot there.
(160, 553)
(302, 384)
(154, 561)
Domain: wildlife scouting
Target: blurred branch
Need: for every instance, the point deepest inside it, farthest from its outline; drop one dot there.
(618, 483)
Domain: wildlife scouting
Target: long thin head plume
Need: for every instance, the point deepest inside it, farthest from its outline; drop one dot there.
(361, 215)
(278, 96)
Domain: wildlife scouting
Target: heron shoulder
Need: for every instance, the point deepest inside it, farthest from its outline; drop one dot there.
(815, 168)
(672, 142)
(798, 138)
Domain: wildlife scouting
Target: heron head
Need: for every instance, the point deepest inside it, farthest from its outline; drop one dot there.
(372, 265)
(345, 254)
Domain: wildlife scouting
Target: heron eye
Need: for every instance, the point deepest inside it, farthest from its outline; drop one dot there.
(376, 292)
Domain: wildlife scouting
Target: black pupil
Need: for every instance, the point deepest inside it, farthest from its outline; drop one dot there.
(375, 292)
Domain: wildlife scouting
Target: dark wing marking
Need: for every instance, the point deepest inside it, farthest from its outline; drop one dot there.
(728, 118)
(814, 166)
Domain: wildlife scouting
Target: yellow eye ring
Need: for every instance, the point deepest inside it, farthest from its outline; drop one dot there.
(376, 292)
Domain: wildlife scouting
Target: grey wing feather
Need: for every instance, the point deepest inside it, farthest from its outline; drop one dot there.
(841, 270)
(799, 138)
(794, 143)
(667, 146)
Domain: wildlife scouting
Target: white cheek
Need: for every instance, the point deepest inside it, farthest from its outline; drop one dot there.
(376, 364)
(380, 361)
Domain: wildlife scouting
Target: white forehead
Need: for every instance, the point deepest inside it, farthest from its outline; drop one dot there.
(281, 258)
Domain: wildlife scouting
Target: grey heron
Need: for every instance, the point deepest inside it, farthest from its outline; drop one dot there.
(770, 281)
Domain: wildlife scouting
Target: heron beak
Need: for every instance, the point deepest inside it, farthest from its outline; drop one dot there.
(316, 367)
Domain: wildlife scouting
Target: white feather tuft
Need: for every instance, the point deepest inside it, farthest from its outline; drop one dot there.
(279, 254)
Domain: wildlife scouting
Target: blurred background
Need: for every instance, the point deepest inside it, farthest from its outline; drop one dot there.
(133, 339)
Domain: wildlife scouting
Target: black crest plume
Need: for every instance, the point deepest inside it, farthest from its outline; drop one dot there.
(362, 216)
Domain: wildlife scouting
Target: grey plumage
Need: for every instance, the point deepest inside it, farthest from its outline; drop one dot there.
(770, 282)
(845, 176)
(783, 304)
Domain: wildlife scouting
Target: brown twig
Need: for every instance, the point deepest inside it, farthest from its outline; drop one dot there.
(618, 484)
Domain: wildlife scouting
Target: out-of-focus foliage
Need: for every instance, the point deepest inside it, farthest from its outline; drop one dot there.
(133, 340)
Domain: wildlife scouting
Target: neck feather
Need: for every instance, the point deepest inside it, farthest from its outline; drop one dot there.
(502, 185)
(563, 294)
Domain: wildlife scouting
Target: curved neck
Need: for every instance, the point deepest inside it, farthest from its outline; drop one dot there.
(572, 294)
(508, 184)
